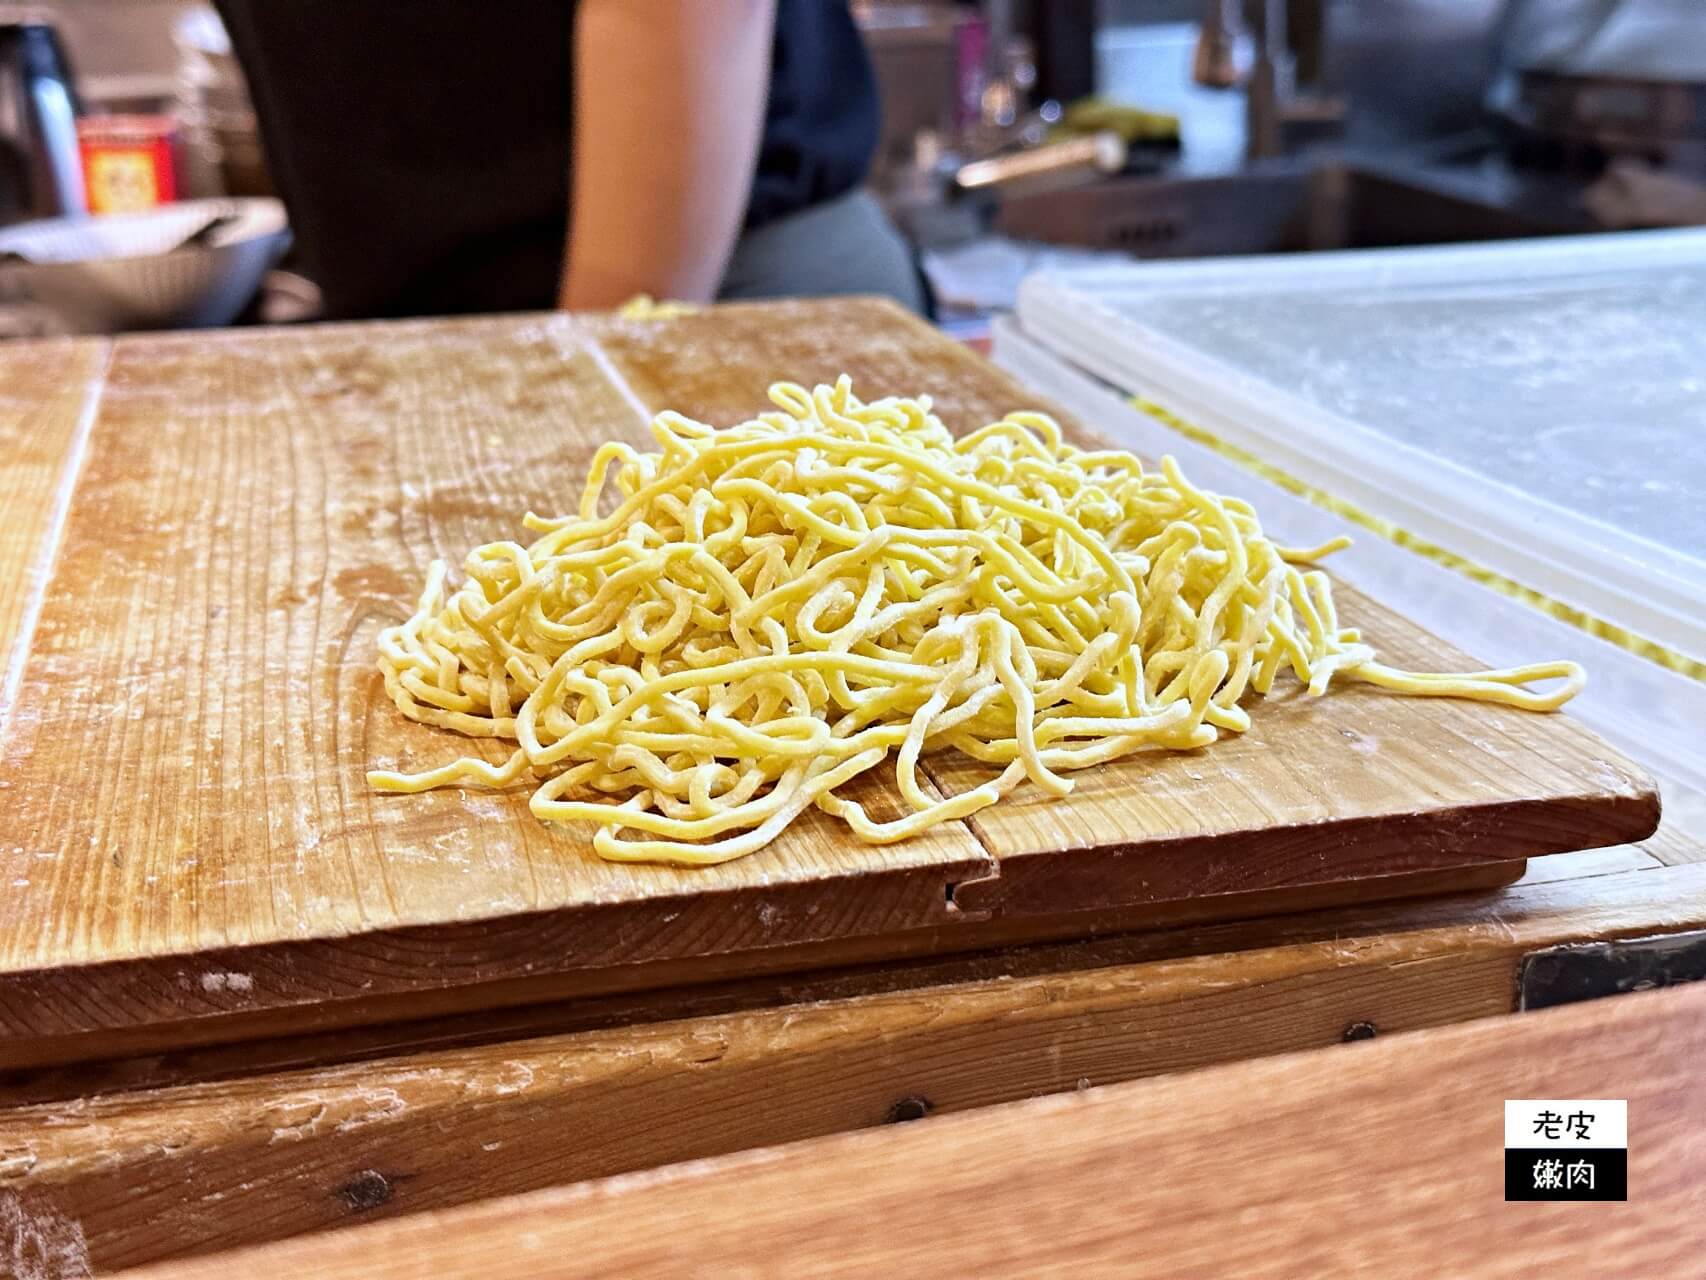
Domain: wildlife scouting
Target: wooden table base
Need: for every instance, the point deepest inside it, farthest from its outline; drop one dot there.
(1386, 1161)
(204, 1151)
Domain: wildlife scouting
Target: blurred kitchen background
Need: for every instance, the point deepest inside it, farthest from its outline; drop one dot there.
(1017, 133)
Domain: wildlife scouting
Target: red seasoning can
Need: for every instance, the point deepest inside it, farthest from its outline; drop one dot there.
(129, 162)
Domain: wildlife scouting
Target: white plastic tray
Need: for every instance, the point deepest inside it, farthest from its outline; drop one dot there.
(1653, 714)
(1539, 407)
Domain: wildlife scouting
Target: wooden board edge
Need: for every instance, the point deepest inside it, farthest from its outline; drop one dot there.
(1320, 854)
(242, 1015)
(149, 1004)
(936, 958)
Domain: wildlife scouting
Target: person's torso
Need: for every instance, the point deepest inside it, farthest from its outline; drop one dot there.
(423, 148)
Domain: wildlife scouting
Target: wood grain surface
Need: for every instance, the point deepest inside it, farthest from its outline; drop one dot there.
(172, 1172)
(192, 853)
(1382, 1159)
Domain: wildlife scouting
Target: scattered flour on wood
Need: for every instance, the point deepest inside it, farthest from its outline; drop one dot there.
(214, 980)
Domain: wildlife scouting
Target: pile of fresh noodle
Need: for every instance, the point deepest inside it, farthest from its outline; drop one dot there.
(772, 609)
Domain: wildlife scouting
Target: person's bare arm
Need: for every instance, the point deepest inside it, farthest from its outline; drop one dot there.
(668, 111)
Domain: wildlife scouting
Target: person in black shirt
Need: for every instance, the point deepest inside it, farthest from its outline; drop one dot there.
(443, 156)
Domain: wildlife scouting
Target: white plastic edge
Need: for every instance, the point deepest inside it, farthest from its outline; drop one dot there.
(1649, 713)
(1630, 581)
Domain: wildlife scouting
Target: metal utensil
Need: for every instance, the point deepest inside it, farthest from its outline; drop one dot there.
(1054, 165)
(1214, 63)
(41, 169)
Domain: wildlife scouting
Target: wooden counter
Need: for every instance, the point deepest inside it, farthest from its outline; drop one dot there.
(193, 854)
(208, 1096)
(1372, 1160)
(140, 1169)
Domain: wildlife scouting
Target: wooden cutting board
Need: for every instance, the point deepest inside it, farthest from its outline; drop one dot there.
(191, 589)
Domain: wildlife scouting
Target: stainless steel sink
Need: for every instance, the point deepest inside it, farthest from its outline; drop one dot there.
(1328, 206)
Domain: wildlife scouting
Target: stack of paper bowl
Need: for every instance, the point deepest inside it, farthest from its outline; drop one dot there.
(133, 270)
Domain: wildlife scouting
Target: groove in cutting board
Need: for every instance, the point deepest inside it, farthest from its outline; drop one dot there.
(50, 390)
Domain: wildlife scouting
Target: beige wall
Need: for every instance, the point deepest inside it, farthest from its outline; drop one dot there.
(118, 38)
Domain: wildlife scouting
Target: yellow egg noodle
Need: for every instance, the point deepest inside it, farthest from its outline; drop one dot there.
(642, 306)
(770, 609)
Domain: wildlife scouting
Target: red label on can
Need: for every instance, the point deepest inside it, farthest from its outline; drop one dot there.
(129, 162)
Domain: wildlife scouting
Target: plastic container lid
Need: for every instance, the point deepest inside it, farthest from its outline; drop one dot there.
(1537, 408)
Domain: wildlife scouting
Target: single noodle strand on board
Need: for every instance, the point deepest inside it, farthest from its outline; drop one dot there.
(769, 610)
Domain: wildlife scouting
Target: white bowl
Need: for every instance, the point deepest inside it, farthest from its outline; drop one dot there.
(119, 271)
